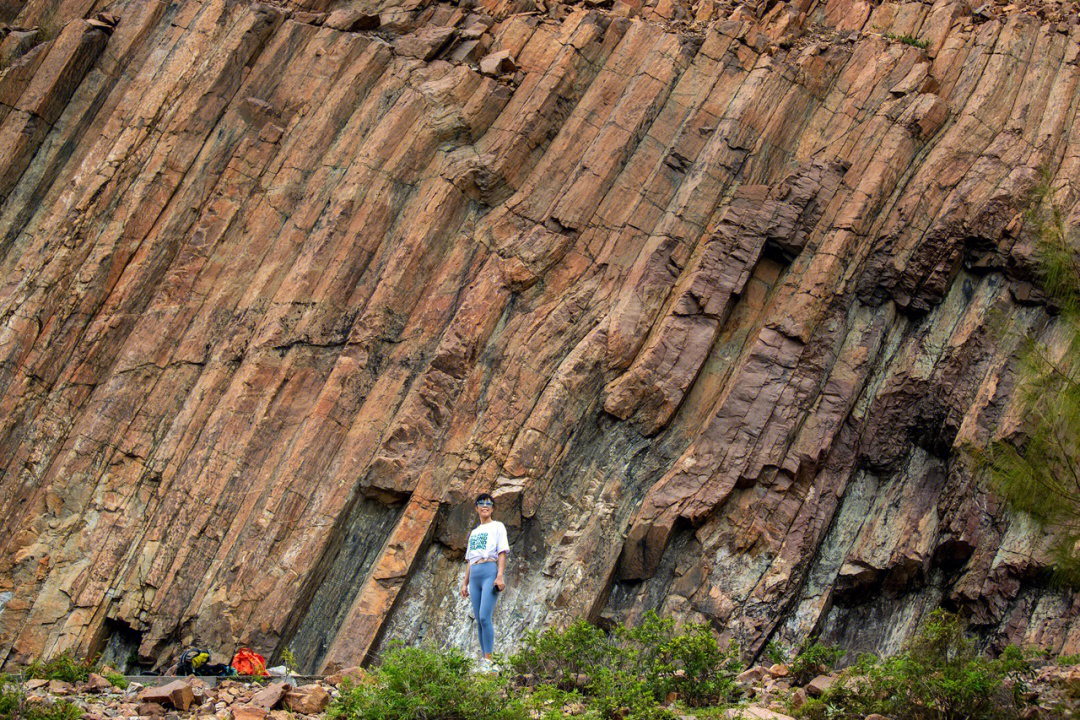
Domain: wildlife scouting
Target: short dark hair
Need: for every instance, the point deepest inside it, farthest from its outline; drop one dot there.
(485, 496)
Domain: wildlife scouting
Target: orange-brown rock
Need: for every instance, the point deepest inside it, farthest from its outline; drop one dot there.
(96, 684)
(247, 712)
(269, 697)
(177, 694)
(704, 294)
(307, 700)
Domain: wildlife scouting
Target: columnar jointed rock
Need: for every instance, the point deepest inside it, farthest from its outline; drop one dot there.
(704, 294)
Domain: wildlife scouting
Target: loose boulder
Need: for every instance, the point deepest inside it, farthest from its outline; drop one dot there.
(820, 684)
(307, 700)
(178, 694)
(247, 712)
(269, 697)
(96, 684)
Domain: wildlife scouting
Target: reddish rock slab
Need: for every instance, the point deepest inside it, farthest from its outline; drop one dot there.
(247, 712)
(308, 700)
(97, 684)
(819, 685)
(59, 687)
(269, 697)
(177, 694)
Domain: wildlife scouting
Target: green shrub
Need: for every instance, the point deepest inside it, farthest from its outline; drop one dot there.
(14, 706)
(814, 659)
(940, 676)
(425, 684)
(62, 667)
(557, 657)
(635, 668)
(620, 693)
(687, 661)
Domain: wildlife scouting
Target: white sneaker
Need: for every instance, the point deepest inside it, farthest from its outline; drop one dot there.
(484, 666)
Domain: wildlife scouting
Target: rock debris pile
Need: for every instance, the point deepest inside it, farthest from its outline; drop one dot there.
(193, 698)
(705, 293)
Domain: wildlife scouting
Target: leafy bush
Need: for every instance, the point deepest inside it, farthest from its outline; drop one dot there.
(14, 706)
(690, 663)
(558, 658)
(814, 659)
(62, 667)
(940, 676)
(425, 684)
(633, 669)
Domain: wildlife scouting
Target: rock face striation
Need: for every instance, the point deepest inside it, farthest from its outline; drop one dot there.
(706, 295)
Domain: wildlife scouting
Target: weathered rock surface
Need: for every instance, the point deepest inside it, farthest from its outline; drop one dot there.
(177, 694)
(703, 294)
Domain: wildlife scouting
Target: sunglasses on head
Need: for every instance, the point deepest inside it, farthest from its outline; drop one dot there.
(484, 503)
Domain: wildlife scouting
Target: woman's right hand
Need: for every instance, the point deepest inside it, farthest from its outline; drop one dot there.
(465, 591)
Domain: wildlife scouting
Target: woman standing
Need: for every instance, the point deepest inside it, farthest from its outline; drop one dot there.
(486, 560)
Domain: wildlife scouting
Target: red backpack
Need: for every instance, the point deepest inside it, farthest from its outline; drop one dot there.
(247, 662)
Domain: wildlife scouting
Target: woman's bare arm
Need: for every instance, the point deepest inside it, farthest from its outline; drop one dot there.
(499, 581)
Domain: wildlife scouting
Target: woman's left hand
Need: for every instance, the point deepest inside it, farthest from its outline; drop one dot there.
(500, 583)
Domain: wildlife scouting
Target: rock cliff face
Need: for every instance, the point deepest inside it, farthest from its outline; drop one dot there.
(705, 294)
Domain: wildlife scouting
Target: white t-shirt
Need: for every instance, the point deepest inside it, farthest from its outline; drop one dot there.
(486, 542)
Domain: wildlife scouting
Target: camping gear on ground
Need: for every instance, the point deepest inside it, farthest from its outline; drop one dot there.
(191, 660)
(248, 662)
(195, 661)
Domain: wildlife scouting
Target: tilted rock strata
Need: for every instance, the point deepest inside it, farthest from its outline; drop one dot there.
(704, 295)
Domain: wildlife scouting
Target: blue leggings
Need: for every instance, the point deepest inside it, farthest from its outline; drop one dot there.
(483, 595)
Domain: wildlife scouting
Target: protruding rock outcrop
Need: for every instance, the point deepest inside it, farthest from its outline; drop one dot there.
(703, 293)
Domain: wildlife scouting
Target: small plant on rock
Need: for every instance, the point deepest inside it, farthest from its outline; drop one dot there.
(909, 40)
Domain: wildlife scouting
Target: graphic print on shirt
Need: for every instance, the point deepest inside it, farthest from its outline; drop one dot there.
(478, 541)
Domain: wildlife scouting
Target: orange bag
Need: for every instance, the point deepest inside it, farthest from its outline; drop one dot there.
(247, 662)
